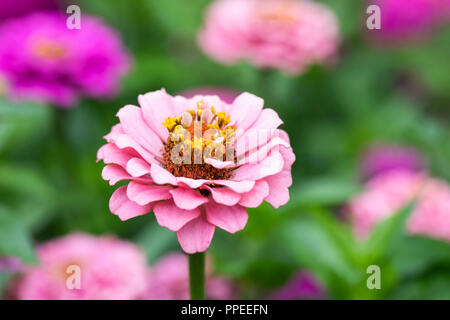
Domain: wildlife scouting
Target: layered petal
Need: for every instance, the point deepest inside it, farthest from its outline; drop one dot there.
(231, 219)
(124, 208)
(173, 218)
(196, 235)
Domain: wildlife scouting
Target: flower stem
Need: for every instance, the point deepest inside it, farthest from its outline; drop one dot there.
(197, 275)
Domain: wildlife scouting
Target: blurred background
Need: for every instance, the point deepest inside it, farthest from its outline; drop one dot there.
(382, 104)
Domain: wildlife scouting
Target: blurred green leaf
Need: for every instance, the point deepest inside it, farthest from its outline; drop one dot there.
(14, 238)
(20, 121)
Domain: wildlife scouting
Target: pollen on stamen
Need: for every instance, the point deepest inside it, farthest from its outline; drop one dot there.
(197, 135)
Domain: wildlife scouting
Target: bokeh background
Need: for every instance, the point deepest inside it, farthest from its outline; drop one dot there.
(375, 93)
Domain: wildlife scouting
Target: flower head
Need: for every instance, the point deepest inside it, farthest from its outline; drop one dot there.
(197, 163)
(41, 59)
(392, 191)
(169, 280)
(285, 34)
(109, 269)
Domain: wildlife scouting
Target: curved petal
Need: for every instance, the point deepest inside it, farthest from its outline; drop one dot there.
(196, 235)
(156, 107)
(124, 208)
(110, 153)
(173, 218)
(161, 175)
(246, 109)
(224, 196)
(231, 219)
(219, 164)
(137, 167)
(144, 194)
(134, 126)
(123, 141)
(187, 199)
(114, 173)
(278, 188)
(256, 196)
(237, 186)
(269, 166)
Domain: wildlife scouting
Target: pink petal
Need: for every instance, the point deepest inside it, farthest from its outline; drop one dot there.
(114, 173)
(170, 216)
(256, 196)
(124, 208)
(230, 219)
(116, 130)
(137, 167)
(125, 142)
(161, 175)
(237, 186)
(278, 188)
(135, 127)
(269, 166)
(110, 153)
(187, 199)
(219, 164)
(144, 194)
(246, 109)
(224, 196)
(156, 107)
(196, 235)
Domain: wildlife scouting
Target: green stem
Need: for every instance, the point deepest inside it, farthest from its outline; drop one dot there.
(197, 275)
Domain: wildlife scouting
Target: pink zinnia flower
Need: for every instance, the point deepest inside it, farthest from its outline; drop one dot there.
(41, 59)
(109, 268)
(382, 158)
(390, 192)
(194, 194)
(285, 34)
(169, 280)
(406, 19)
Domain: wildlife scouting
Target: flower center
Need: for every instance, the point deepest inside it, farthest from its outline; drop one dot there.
(279, 12)
(195, 136)
(49, 50)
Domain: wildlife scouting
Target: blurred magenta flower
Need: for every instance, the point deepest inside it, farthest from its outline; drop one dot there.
(304, 285)
(41, 59)
(169, 280)
(193, 198)
(10, 8)
(382, 158)
(109, 268)
(388, 193)
(284, 34)
(226, 95)
(405, 19)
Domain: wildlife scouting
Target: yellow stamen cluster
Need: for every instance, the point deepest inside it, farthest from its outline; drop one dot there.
(183, 128)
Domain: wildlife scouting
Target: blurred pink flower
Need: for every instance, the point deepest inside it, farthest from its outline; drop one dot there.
(304, 285)
(226, 95)
(405, 19)
(12, 8)
(285, 34)
(169, 280)
(390, 192)
(192, 199)
(41, 59)
(382, 158)
(110, 269)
